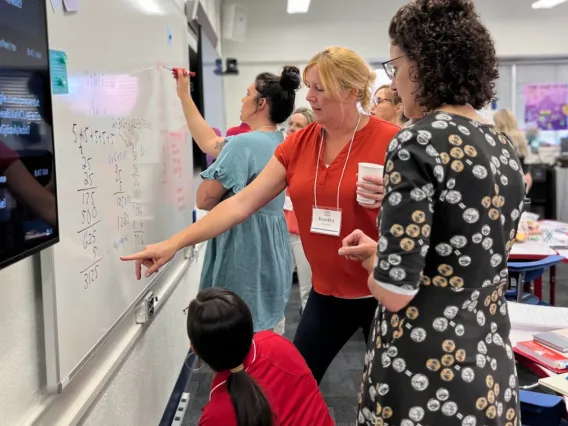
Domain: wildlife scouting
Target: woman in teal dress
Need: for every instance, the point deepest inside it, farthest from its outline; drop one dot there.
(254, 258)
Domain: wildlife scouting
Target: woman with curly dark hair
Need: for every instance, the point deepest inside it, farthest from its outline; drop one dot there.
(439, 351)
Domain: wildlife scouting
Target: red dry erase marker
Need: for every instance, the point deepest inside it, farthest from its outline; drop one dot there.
(175, 71)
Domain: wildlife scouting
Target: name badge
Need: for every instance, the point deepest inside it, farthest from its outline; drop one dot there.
(288, 204)
(326, 221)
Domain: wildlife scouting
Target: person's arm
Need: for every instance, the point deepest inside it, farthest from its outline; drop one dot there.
(209, 194)
(231, 172)
(269, 183)
(29, 191)
(405, 224)
(202, 133)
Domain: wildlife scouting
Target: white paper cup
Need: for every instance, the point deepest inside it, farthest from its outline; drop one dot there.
(368, 169)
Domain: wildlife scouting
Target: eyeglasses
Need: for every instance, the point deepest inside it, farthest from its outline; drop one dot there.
(390, 69)
(376, 101)
(185, 311)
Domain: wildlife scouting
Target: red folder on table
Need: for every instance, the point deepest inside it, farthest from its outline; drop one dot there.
(542, 355)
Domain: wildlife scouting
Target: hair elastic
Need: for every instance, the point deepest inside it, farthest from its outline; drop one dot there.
(237, 369)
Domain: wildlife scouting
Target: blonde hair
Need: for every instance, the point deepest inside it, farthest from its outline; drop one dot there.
(342, 69)
(306, 112)
(506, 122)
(394, 98)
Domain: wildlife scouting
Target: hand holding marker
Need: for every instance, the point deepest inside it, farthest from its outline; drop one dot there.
(185, 72)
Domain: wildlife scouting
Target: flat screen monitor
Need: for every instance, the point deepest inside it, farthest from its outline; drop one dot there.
(28, 200)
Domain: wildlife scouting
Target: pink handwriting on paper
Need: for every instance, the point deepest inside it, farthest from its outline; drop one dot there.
(178, 154)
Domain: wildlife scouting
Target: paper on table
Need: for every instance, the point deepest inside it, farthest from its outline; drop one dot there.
(537, 318)
(517, 335)
(554, 225)
(558, 383)
(532, 248)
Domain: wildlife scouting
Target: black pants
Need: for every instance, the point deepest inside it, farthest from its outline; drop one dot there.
(327, 323)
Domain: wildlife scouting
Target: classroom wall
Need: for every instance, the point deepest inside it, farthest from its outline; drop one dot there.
(141, 382)
(275, 38)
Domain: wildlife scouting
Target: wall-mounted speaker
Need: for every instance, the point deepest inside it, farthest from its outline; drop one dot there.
(231, 67)
(234, 22)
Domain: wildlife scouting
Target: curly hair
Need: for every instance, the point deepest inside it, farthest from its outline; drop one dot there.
(454, 55)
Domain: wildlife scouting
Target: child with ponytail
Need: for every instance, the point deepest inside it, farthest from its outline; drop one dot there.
(261, 379)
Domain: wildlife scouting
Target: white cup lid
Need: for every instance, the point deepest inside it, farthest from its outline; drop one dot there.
(371, 165)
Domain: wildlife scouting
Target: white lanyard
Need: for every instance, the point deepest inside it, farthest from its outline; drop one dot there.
(224, 381)
(344, 165)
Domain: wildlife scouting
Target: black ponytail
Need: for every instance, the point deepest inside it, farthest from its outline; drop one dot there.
(251, 406)
(220, 328)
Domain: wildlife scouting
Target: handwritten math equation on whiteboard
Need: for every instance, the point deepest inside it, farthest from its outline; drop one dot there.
(122, 149)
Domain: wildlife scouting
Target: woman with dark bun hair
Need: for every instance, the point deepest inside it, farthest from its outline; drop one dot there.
(439, 351)
(261, 379)
(253, 259)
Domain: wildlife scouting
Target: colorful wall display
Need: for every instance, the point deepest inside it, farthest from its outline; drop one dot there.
(547, 105)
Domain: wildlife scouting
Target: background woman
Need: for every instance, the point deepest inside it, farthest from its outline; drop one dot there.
(387, 105)
(261, 378)
(440, 352)
(300, 119)
(506, 122)
(252, 259)
(319, 166)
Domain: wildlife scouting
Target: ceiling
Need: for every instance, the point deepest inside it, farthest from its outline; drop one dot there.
(490, 10)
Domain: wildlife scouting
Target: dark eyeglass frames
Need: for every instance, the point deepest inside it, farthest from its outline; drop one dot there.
(390, 69)
(376, 101)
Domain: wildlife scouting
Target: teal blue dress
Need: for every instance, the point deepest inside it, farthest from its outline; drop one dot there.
(252, 259)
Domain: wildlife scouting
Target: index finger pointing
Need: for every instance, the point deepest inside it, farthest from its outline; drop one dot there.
(141, 255)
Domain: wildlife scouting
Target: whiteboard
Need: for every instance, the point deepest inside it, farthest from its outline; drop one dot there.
(123, 163)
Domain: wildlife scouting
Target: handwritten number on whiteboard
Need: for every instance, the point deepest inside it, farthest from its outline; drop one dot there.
(91, 276)
(88, 178)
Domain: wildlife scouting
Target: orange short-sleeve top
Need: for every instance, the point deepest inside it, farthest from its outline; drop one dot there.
(333, 275)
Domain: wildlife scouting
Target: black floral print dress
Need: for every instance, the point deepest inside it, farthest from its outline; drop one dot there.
(454, 192)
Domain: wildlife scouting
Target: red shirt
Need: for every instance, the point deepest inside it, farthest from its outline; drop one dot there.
(284, 377)
(291, 220)
(237, 130)
(333, 275)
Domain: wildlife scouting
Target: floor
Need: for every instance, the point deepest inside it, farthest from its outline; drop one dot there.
(341, 383)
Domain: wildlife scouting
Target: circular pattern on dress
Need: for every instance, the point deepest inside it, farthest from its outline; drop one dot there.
(440, 125)
(447, 352)
(444, 249)
(471, 215)
(419, 382)
(405, 136)
(423, 137)
(480, 172)
(458, 241)
(394, 198)
(404, 155)
(383, 243)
